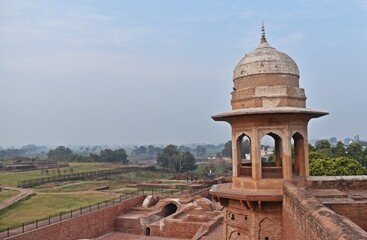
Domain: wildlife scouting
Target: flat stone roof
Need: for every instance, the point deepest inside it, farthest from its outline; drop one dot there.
(226, 191)
(264, 110)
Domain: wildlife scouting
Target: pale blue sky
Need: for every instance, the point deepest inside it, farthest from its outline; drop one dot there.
(139, 72)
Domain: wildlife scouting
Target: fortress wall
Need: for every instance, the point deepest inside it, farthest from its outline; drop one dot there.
(357, 212)
(304, 217)
(341, 183)
(90, 225)
(175, 229)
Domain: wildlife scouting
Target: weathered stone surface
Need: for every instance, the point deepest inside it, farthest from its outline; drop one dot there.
(150, 201)
(265, 59)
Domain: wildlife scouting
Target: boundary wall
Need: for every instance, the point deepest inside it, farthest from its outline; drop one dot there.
(304, 217)
(90, 225)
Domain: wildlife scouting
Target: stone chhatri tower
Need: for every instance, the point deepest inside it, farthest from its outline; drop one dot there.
(266, 100)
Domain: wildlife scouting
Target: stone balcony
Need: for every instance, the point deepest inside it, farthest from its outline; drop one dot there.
(267, 171)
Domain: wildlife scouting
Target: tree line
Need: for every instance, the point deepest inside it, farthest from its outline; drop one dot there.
(171, 158)
(64, 154)
(327, 158)
(152, 151)
(336, 160)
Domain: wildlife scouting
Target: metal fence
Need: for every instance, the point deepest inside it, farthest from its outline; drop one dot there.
(29, 226)
(76, 176)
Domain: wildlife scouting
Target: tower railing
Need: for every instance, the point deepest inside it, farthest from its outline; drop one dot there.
(267, 171)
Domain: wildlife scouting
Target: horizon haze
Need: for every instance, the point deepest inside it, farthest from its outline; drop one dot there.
(154, 72)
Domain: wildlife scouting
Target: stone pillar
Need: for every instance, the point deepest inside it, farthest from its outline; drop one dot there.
(298, 156)
(255, 155)
(287, 155)
(306, 160)
(278, 151)
(236, 155)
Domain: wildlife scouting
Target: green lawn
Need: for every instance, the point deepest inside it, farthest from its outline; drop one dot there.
(146, 176)
(5, 194)
(10, 179)
(73, 186)
(41, 206)
(53, 198)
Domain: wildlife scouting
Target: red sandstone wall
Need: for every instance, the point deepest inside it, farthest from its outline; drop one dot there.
(90, 225)
(242, 223)
(304, 217)
(339, 182)
(175, 229)
(357, 212)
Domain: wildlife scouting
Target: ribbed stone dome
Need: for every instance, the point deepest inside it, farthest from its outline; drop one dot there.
(266, 78)
(265, 59)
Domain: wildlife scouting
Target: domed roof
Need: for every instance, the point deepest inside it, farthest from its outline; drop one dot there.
(265, 59)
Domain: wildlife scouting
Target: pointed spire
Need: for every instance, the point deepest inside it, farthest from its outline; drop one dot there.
(263, 38)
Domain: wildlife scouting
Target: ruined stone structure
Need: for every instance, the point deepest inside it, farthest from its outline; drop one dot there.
(266, 200)
(266, 100)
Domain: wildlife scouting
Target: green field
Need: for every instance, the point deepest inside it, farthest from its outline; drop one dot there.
(79, 185)
(41, 206)
(10, 179)
(5, 194)
(53, 198)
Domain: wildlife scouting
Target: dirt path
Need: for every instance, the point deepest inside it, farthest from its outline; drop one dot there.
(66, 185)
(23, 194)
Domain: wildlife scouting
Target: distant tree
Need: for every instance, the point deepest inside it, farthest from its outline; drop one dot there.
(187, 162)
(354, 151)
(200, 150)
(336, 167)
(171, 158)
(207, 168)
(183, 148)
(94, 157)
(120, 156)
(140, 151)
(333, 140)
(315, 155)
(339, 150)
(58, 171)
(227, 150)
(271, 159)
(167, 158)
(106, 155)
(323, 146)
(151, 150)
(246, 147)
(113, 156)
(60, 153)
(71, 170)
(311, 148)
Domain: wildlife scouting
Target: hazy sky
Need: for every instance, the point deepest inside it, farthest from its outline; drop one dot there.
(139, 72)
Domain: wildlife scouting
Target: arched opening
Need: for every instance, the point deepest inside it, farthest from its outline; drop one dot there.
(244, 156)
(271, 156)
(147, 231)
(298, 155)
(169, 209)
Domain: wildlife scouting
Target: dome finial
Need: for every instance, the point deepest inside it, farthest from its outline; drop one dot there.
(263, 38)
